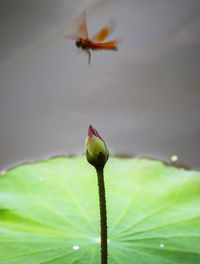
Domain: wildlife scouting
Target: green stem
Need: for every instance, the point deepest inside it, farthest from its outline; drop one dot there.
(103, 216)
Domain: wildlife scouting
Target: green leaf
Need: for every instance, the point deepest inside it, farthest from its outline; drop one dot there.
(49, 213)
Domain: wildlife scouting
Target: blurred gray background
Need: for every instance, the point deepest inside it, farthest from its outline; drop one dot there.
(143, 99)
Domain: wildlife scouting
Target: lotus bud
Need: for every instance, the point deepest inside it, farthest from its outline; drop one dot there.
(96, 150)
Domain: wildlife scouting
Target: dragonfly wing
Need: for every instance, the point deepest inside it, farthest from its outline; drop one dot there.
(117, 41)
(73, 36)
(82, 26)
(105, 31)
(110, 45)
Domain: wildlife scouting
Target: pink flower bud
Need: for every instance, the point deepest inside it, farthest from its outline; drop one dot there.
(96, 150)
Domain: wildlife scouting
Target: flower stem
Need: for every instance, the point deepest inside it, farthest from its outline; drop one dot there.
(103, 216)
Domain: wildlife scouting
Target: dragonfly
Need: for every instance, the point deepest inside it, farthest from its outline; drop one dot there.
(87, 44)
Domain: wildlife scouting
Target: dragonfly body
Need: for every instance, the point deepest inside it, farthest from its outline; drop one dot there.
(87, 44)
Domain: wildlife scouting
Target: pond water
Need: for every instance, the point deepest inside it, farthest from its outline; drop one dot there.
(143, 99)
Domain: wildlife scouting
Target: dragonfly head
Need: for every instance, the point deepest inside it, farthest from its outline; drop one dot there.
(78, 43)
